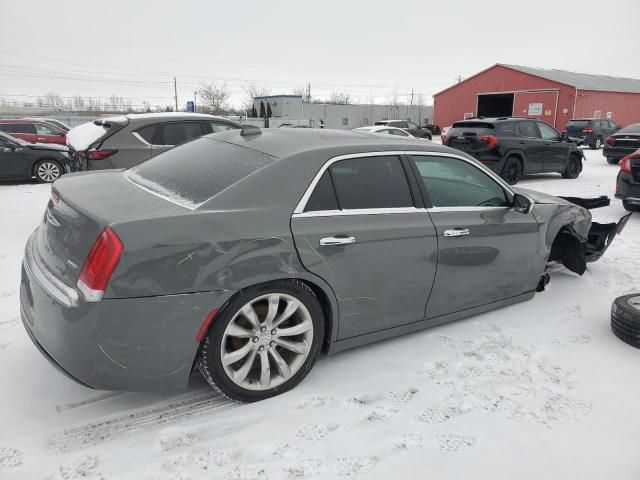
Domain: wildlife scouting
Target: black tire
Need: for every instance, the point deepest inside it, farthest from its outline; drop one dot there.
(630, 208)
(209, 358)
(47, 171)
(512, 170)
(428, 136)
(573, 168)
(625, 319)
(596, 144)
(613, 161)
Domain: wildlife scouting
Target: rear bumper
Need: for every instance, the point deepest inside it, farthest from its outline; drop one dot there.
(617, 153)
(144, 343)
(627, 189)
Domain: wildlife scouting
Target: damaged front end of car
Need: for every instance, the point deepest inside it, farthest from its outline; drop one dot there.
(572, 239)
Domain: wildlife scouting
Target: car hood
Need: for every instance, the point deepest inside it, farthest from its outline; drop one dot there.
(48, 146)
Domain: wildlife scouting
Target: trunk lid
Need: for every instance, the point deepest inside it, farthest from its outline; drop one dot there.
(465, 136)
(90, 135)
(626, 140)
(81, 205)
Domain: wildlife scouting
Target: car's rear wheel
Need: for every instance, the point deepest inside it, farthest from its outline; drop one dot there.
(573, 168)
(512, 171)
(47, 171)
(264, 342)
(630, 208)
(596, 144)
(613, 161)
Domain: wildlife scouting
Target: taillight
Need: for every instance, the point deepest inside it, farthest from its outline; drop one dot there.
(99, 265)
(625, 163)
(610, 140)
(587, 130)
(491, 140)
(99, 154)
(564, 130)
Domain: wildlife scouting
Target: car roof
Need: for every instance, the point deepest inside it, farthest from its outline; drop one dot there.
(281, 143)
(174, 115)
(22, 120)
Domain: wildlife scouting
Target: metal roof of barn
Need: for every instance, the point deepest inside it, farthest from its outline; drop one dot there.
(582, 81)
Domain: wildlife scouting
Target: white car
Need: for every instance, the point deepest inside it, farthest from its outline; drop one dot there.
(385, 130)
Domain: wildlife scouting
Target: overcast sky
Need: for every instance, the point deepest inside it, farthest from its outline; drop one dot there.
(134, 48)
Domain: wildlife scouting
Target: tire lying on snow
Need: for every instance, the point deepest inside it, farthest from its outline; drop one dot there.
(625, 319)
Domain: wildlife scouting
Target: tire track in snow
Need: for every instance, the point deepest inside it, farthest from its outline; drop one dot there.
(135, 422)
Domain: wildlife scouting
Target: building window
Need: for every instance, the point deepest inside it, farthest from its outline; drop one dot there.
(597, 114)
(345, 122)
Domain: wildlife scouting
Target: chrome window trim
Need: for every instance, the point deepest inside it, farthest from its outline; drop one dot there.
(139, 137)
(299, 210)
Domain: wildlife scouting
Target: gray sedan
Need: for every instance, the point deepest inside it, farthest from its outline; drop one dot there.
(247, 253)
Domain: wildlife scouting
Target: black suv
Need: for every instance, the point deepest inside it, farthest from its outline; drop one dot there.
(592, 131)
(412, 128)
(512, 146)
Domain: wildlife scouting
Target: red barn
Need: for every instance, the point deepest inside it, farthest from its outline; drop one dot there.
(555, 96)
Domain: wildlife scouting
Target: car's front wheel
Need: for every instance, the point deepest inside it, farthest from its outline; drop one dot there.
(573, 168)
(264, 342)
(47, 171)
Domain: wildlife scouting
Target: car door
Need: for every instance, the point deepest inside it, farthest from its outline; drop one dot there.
(359, 229)
(171, 134)
(24, 131)
(556, 151)
(13, 162)
(49, 134)
(487, 251)
(531, 145)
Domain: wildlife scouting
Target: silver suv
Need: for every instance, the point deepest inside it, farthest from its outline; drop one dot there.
(125, 141)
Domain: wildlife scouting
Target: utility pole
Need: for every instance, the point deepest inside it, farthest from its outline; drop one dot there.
(459, 78)
(309, 93)
(411, 113)
(175, 90)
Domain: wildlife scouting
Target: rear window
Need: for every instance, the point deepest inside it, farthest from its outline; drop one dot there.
(191, 174)
(578, 123)
(85, 135)
(471, 128)
(635, 128)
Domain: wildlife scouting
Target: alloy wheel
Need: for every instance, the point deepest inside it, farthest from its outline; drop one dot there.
(48, 171)
(513, 172)
(598, 143)
(266, 342)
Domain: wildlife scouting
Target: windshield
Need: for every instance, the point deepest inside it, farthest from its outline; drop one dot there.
(192, 173)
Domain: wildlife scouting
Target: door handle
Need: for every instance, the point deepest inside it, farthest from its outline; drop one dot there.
(329, 241)
(456, 232)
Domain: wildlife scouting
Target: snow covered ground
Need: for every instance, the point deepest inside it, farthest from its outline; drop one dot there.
(537, 390)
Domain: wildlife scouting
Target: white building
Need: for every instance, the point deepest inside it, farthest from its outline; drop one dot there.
(291, 109)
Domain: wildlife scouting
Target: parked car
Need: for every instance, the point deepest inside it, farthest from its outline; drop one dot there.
(622, 143)
(628, 182)
(514, 146)
(125, 141)
(385, 130)
(50, 121)
(248, 253)
(20, 160)
(34, 131)
(592, 131)
(434, 129)
(412, 128)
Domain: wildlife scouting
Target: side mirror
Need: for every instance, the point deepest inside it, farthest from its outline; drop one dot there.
(521, 204)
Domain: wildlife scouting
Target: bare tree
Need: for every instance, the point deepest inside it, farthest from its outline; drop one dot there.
(93, 104)
(302, 91)
(394, 104)
(340, 98)
(213, 98)
(250, 92)
(78, 103)
(52, 99)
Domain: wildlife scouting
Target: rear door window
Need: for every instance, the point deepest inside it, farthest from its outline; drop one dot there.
(20, 128)
(323, 196)
(192, 174)
(547, 132)
(175, 133)
(42, 129)
(506, 129)
(371, 182)
(221, 126)
(528, 129)
(148, 133)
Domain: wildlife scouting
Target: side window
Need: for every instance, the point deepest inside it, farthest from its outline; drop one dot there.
(547, 132)
(400, 133)
(21, 128)
(220, 127)
(411, 125)
(42, 129)
(178, 132)
(451, 182)
(324, 195)
(506, 129)
(148, 133)
(528, 129)
(371, 182)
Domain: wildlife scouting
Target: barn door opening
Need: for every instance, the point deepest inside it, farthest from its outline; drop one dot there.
(495, 105)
